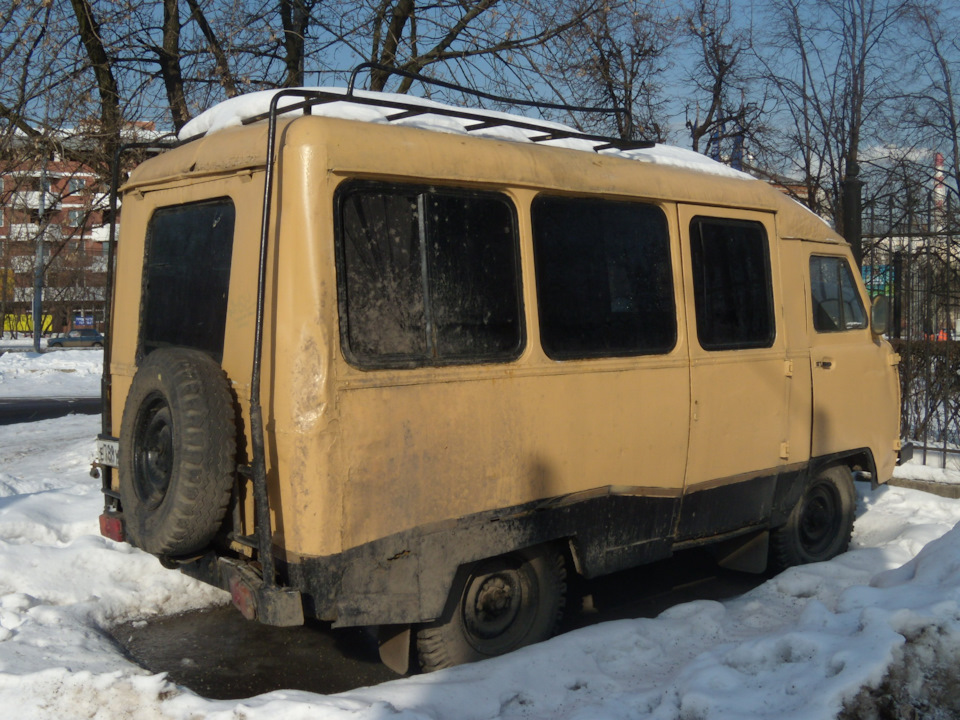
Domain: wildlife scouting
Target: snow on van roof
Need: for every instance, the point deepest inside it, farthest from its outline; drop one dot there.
(234, 111)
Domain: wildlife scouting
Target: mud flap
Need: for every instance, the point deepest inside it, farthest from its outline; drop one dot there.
(396, 648)
(905, 453)
(747, 553)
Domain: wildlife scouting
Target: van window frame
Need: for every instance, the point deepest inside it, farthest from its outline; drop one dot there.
(423, 191)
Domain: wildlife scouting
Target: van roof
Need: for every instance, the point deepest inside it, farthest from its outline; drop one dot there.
(441, 148)
(382, 108)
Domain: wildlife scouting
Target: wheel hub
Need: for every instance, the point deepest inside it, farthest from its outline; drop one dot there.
(818, 519)
(494, 598)
(153, 461)
(492, 604)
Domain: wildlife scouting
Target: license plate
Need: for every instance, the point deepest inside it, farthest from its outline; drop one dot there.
(108, 452)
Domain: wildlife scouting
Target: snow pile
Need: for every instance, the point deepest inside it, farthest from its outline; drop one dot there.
(60, 373)
(933, 471)
(61, 582)
(232, 112)
(795, 648)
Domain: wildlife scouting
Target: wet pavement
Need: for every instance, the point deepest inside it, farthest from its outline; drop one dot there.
(220, 655)
(21, 410)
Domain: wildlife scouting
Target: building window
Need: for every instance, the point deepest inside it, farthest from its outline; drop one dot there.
(75, 185)
(836, 302)
(75, 218)
(604, 278)
(29, 183)
(427, 276)
(733, 295)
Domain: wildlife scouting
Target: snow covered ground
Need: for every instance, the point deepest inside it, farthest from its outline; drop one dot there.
(795, 648)
(73, 372)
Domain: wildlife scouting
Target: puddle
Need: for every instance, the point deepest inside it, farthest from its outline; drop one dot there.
(220, 655)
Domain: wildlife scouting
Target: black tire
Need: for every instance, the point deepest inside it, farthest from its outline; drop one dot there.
(177, 449)
(504, 603)
(820, 524)
(96, 344)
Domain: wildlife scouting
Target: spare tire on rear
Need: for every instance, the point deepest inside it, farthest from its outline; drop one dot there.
(177, 452)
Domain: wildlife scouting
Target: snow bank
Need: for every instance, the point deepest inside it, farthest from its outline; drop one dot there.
(232, 112)
(56, 373)
(794, 648)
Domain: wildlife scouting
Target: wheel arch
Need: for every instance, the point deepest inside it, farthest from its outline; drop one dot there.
(857, 459)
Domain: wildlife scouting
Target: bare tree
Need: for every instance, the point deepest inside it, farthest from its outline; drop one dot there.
(829, 65)
(719, 109)
(616, 57)
(932, 106)
(467, 37)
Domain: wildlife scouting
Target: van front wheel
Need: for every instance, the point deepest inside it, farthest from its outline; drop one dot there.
(820, 524)
(504, 603)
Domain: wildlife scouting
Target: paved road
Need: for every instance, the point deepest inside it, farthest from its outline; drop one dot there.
(21, 410)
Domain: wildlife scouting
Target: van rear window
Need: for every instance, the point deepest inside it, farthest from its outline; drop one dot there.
(427, 276)
(189, 249)
(604, 278)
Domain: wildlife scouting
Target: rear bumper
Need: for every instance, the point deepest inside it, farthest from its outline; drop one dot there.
(282, 607)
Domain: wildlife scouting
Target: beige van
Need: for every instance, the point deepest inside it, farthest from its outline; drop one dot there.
(382, 375)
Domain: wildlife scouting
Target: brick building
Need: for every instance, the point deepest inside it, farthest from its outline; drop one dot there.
(61, 205)
(52, 199)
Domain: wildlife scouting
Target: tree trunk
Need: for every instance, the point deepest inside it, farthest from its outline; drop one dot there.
(169, 57)
(110, 118)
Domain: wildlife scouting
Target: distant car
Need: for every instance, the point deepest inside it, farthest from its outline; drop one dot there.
(85, 337)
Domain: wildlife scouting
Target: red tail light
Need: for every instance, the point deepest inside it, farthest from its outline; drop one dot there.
(111, 526)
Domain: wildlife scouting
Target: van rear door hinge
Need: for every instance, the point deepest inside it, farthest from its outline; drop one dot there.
(894, 358)
(784, 451)
(788, 368)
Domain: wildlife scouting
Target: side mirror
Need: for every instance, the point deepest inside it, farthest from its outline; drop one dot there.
(880, 315)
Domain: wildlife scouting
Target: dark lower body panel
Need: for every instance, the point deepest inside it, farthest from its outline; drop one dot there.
(407, 577)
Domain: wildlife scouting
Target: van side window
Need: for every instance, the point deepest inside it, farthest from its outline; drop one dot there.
(427, 276)
(733, 294)
(189, 249)
(604, 278)
(836, 302)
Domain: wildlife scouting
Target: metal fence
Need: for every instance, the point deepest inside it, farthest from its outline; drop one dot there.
(913, 261)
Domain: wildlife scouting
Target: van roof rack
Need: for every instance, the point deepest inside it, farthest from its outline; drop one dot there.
(479, 119)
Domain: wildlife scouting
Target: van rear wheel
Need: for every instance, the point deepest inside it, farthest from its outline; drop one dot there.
(177, 448)
(504, 603)
(820, 524)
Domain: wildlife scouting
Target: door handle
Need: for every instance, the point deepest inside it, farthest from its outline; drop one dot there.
(825, 364)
